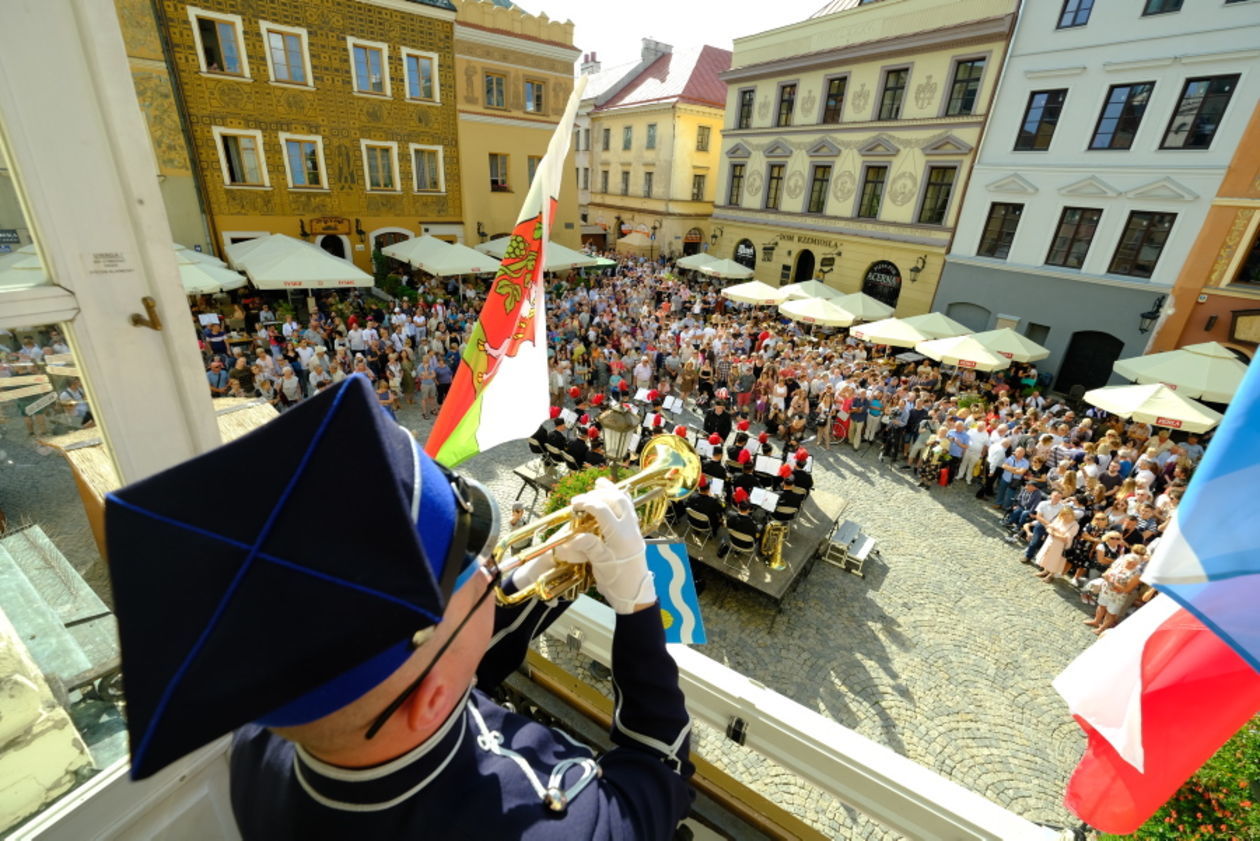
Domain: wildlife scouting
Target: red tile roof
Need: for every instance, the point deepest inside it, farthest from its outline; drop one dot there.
(687, 75)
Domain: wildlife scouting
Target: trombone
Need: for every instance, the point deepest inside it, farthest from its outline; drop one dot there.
(670, 471)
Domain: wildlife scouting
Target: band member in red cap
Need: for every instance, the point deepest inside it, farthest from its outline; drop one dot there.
(740, 522)
(718, 420)
(746, 479)
(681, 431)
(804, 479)
(703, 503)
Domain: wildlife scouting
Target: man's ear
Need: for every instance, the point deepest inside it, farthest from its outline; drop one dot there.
(426, 707)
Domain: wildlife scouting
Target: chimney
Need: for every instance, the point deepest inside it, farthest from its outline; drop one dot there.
(652, 50)
(590, 65)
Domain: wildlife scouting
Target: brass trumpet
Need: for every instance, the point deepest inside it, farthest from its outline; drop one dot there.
(670, 472)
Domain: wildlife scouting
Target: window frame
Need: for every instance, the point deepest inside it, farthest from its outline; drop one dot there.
(586, 179)
(486, 76)
(1102, 114)
(532, 162)
(704, 137)
(412, 148)
(1148, 9)
(649, 136)
(625, 182)
(883, 92)
(606, 137)
(751, 95)
(238, 25)
(217, 132)
(627, 138)
(1163, 141)
(540, 98)
(406, 54)
(1242, 258)
(786, 94)
(1078, 7)
(649, 182)
(267, 27)
(997, 235)
(1088, 238)
(813, 188)
(506, 186)
(1142, 241)
(1019, 131)
(353, 43)
(698, 179)
(777, 180)
(927, 188)
(861, 192)
(603, 181)
(843, 78)
(318, 140)
(958, 62)
(735, 184)
(392, 146)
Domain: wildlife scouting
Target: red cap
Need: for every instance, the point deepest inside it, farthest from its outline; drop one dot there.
(742, 426)
(598, 400)
(763, 437)
(704, 481)
(623, 386)
(680, 431)
(592, 433)
(585, 419)
(740, 495)
(654, 395)
(555, 412)
(658, 419)
(575, 392)
(802, 455)
(785, 471)
(715, 439)
(743, 457)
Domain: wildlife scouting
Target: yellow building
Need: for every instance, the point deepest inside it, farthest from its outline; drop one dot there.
(849, 139)
(330, 120)
(654, 153)
(514, 74)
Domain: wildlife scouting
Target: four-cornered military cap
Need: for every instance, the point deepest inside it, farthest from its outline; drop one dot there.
(264, 611)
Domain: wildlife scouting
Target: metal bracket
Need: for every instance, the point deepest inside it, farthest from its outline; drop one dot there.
(153, 321)
(736, 730)
(573, 641)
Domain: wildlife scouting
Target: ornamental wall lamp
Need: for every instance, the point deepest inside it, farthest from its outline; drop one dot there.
(1147, 319)
(918, 266)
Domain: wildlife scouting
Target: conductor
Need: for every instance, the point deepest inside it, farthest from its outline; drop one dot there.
(350, 657)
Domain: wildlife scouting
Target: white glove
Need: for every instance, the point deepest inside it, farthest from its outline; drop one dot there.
(524, 576)
(618, 555)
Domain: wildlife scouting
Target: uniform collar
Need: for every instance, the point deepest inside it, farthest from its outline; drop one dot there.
(386, 785)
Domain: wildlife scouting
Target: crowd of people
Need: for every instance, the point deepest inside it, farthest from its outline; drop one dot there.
(1082, 494)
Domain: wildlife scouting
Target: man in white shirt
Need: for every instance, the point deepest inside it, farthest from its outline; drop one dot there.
(977, 443)
(1044, 514)
(357, 342)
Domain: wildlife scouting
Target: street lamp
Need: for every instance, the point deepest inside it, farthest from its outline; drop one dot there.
(919, 266)
(1147, 319)
(718, 231)
(618, 424)
(767, 250)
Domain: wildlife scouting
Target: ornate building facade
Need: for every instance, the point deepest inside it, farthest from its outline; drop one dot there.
(849, 139)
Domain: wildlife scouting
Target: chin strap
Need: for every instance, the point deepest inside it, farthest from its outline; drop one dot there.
(555, 798)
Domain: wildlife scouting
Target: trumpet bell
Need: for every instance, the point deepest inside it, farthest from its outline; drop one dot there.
(672, 451)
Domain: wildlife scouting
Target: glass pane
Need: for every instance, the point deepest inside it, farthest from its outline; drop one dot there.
(21, 266)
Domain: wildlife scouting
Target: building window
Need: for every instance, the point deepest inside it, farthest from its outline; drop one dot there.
(940, 184)
(380, 164)
(370, 63)
(422, 75)
(894, 93)
(833, 102)
(625, 182)
(787, 102)
(586, 178)
(428, 169)
(1076, 230)
(1199, 112)
(1141, 243)
(1249, 271)
(304, 161)
(1040, 119)
(531, 166)
(746, 99)
(999, 230)
(1075, 13)
(702, 139)
(603, 181)
(647, 184)
(966, 87)
(774, 186)
(499, 174)
(586, 139)
(240, 157)
(650, 142)
(220, 48)
(872, 191)
(535, 97)
(1159, 7)
(287, 58)
(495, 88)
(818, 189)
(735, 189)
(1121, 115)
(697, 187)
(627, 137)
(607, 139)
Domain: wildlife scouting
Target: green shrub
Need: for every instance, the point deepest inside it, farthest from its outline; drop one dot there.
(572, 485)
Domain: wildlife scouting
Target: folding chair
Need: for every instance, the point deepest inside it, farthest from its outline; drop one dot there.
(743, 546)
(699, 524)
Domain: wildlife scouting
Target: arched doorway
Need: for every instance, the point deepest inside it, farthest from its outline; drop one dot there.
(691, 241)
(972, 315)
(804, 266)
(883, 282)
(1088, 360)
(745, 254)
(333, 244)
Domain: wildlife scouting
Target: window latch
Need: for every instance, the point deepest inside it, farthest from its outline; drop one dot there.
(151, 320)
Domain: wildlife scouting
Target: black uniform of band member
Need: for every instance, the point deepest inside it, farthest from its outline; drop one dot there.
(352, 658)
(716, 420)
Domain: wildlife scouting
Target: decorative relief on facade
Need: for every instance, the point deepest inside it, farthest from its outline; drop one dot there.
(753, 184)
(763, 108)
(861, 97)
(153, 89)
(228, 96)
(795, 185)
(844, 185)
(516, 94)
(925, 92)
(470, 84)
(808, 101)
(485, 53)
(903, 188)
(1242, 220)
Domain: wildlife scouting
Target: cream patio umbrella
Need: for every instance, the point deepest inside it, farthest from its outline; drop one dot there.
(728, 270)
(890, 331)
(816, 311)
(1207, 370)
(754, 292)
(282, 262)
(812, 289)
(963, 352)
(864, 307)
(203, 274)
(1006, 342)
(22, 268)
(440, 258)
(558, 259)
(695, 261)
(934, 325)
(1156, 404)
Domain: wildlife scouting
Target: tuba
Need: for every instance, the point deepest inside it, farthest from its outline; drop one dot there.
(670, 472)
(772, 537)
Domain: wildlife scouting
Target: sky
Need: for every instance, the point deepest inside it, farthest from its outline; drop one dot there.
(614, 30)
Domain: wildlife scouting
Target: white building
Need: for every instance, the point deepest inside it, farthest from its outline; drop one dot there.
(1113, 126)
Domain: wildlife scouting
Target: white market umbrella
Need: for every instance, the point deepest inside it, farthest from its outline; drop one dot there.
(727, 270)
(1015, 347)
(22, 268)
(890, 331)
(816, 311)
(1207, 370)
(183, 252)
(934, 325)
(1156, 404)
(440, 258)
(963, 352)
(202, 274)
(636, 239)
(864, 306)
(754, 292)
(282, 262)
(558, 257)
(812, 289)
(695, 261)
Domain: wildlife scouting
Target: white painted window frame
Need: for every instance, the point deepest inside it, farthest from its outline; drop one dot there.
(351, 43)
(412, 148)
(238, 23)
(408, 52)
(218, 132)
(266, 26)
(285, 137)
(392, 145)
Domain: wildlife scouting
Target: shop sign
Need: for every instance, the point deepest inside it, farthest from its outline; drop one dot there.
(330, 225)
(1172, 423)
(827, 263)
(883, 282)
(9, 236)
(746, 253)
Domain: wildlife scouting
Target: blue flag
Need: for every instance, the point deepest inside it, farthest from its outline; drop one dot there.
(680, 607)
